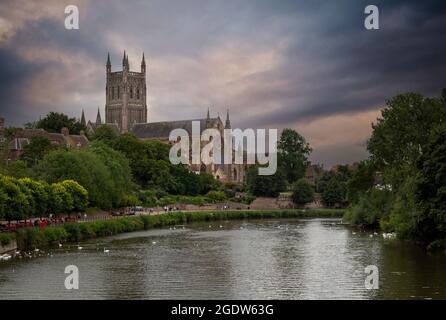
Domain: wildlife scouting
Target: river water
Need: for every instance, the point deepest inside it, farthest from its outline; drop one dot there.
(262, 259)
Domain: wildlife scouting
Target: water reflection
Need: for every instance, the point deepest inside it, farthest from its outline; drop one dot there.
(267, 259)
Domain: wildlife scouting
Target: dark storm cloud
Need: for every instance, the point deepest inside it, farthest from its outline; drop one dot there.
(351, 69)
(273, 63)
(13, 76)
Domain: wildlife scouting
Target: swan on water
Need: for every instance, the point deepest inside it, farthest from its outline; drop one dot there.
(5, 257)
(106, 250)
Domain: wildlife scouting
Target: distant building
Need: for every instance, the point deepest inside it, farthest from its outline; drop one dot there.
(346, 167)
(126, 111)
(125, 95)
(312, 172)
(22, 137)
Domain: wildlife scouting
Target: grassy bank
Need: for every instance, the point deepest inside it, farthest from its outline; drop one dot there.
(31, 238)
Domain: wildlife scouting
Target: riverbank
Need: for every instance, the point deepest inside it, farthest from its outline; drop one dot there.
(31, 238)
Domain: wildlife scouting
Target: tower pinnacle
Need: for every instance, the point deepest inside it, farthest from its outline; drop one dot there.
(143, 64)
(228, 122)
(98, 118)
(83, 123)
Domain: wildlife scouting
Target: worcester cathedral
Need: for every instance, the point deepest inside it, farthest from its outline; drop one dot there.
(126, 111)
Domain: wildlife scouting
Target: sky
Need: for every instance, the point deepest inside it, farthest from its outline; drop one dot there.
(306, 65)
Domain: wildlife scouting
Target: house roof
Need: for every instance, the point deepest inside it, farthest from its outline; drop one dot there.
(161, 130)
(23, 137)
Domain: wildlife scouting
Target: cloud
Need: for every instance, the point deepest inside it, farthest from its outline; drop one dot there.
(309, 65)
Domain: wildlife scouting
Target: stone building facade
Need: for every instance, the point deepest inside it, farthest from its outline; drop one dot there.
(126, 111)
(232, 173)
(125, 95)
(22, 137)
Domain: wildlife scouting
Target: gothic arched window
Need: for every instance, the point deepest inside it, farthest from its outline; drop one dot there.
(137, 93)
(131, 92)
(113, 93)
(118, 93)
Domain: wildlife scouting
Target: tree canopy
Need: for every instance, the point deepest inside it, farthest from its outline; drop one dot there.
(54, 122)
(303, 192)
(293, 152)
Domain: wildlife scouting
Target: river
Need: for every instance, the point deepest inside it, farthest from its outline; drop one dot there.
(262, 259)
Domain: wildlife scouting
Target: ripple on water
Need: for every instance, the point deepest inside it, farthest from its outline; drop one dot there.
(267, 259)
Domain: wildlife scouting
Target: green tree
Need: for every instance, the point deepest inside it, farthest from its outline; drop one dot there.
(17, 169)
(208, 182)
(216, 196)
(36, 149)
(39, 195)
(430, 189)
(78, 194)
(371, 208)
(362, 180)
(293, 153)
(267, 186)
(303, 192)
(61, 201)
(16, 201)
(401, 133)
(106, 134)
(54, 122)
(118, 168)
(334, 193)
(86, 168)
(3, 204)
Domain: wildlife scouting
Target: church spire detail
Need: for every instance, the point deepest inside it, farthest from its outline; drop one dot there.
(143, 64)
(83, 122)
(228, 122)
(208, 120)
(108, 63)
(98, 118)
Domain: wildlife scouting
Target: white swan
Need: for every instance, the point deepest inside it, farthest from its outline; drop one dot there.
(79, 247)
(5, 257)
(106, 250)
(153, 242)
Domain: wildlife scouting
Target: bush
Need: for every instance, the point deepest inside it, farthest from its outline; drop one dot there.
(31, 238)
(371, 208)
(216, 196)
(303, 192)
(6, 238)
(55, 235)
(129, 200)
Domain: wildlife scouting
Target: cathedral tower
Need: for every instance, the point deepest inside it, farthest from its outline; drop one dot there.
(126, 95)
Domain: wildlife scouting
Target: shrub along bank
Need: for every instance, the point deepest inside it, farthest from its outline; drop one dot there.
(31, 238)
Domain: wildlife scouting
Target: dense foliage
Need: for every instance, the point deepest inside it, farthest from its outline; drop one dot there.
(303, 192)
(293, 152)
(54, 122)
(25, 198)
(407, 156)
(267, 186)
(37, 148)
